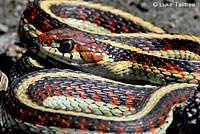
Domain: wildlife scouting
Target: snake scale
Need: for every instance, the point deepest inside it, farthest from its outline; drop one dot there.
(147, 72)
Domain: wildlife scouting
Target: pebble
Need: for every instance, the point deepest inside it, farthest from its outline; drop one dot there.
(3, 28)
(6, 40)
(15, 52)
(143, 6)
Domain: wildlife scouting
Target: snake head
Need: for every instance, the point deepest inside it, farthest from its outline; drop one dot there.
(71, 47)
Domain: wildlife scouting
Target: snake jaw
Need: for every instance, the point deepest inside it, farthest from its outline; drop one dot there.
(75, 59)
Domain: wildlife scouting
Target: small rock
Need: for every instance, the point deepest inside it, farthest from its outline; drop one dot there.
(143, 6)
(6, 40)
(15, 51)
(19, 8)
(3, 28)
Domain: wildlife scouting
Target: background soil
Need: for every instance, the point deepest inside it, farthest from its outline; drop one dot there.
(174, 19)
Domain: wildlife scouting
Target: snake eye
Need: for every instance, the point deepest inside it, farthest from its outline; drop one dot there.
(46, 43)
(66, 46)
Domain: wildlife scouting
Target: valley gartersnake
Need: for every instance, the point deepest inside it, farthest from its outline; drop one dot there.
(156, 71)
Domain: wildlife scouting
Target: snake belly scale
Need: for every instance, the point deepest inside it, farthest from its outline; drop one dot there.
(96, 39)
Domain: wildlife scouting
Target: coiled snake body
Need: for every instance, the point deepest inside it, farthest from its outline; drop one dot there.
(151, 72)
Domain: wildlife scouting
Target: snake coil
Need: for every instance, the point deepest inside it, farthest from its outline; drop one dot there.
(147, 72)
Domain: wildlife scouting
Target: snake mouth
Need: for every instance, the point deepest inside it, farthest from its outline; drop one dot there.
(73, 59)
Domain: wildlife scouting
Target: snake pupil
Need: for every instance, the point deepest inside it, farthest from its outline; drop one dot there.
(47, 42)
(66, 46)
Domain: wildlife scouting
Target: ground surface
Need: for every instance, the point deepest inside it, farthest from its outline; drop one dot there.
(173, 19)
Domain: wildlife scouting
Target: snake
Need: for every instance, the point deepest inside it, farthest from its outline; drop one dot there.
(96, 69)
